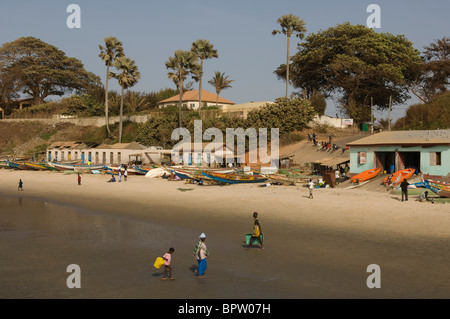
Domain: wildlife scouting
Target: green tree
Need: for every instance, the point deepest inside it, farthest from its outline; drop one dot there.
(285, 114)
(290, 25)
(355, 63)
(41, 70)
(220, 82)
(127, 77)
(432, 115)
(182, 64)
(112, 50)
(435, 70)
(203, 50)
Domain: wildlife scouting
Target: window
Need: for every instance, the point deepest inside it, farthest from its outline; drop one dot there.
(435, 158)
(192, 105)
(362, 158)
(111, 158)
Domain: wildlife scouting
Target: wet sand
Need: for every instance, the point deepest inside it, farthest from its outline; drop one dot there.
(316, 248)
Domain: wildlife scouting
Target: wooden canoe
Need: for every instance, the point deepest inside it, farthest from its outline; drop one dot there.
(399, 176)
(366, 175)
(439, 188)
(234, 178)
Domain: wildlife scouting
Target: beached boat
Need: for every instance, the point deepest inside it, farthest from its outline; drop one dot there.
(366, 175)
(36, 166)
(17, 165)
(399, 176)
(234, 178)
(77, 167)
(439, 188)
(115, 170)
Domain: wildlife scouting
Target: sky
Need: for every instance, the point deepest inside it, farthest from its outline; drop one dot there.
(241, 32)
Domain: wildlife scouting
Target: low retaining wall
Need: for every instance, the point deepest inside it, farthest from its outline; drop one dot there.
(83, 121)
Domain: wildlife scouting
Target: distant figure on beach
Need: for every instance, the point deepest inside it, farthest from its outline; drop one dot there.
(167, 266)
(125, 174)
(310, 187)
(314, 138)
(200, 254)
(423, 197)
(20, 188)
(120, 175)
(79, 179)
(112, 180)
(404, 186)
(257, 232)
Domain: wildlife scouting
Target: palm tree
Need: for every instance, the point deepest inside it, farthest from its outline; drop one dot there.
(113, 49)
(128, 76)
(183, 63)
(290, 24)
(203, 50)
(220, 82)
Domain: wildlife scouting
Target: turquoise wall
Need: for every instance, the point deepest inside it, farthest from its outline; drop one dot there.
(425, 165)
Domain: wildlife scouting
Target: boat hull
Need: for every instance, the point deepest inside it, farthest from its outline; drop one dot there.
(234, 179)
(366, 175)
(399, 176)
(438, 188)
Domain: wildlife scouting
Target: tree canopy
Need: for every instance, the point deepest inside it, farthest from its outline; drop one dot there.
(435, 70)
(355, 63)
(39, 70)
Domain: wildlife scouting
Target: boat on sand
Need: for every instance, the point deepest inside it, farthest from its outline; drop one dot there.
(399, 176)
(366, 175)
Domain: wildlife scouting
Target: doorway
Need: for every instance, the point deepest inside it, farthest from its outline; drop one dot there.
(386, 161)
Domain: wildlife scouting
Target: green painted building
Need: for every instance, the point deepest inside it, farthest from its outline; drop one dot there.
(426, 151)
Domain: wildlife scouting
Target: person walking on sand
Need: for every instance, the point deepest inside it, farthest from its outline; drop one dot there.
(20, 188)
(167, 266)
(311, 187)
(79, 179)
(257, 232)
(125, 174)
(404, 186)
(201, 253)
(120, 175)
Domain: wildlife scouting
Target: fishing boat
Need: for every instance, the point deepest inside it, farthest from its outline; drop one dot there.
(36, 166)
(77, 167)
(399, 176)
(440, 188)
(17, 164)
(234, 178)
(111, 169)
(366, 175)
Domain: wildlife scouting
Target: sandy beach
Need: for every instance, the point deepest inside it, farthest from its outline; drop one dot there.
(316, 248)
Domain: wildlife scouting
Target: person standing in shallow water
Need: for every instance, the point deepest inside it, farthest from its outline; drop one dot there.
(257, 232)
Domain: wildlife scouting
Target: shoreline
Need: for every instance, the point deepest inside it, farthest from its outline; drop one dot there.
(316, 248)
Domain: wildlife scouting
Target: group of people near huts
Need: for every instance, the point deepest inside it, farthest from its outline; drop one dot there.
(201, 252)
(324, 145)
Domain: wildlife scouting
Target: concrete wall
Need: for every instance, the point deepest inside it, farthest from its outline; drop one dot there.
(330, 121)
(84, 121)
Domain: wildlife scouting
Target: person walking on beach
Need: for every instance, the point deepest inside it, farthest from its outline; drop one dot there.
(125, 174)
(404, 186)
(20, 188)
(167, 266)
(120, 175)
(257, 232)
(201, 253)
(310, 187)
(79, 179)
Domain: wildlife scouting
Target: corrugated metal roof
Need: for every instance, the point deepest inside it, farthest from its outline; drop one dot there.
(424, 137)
